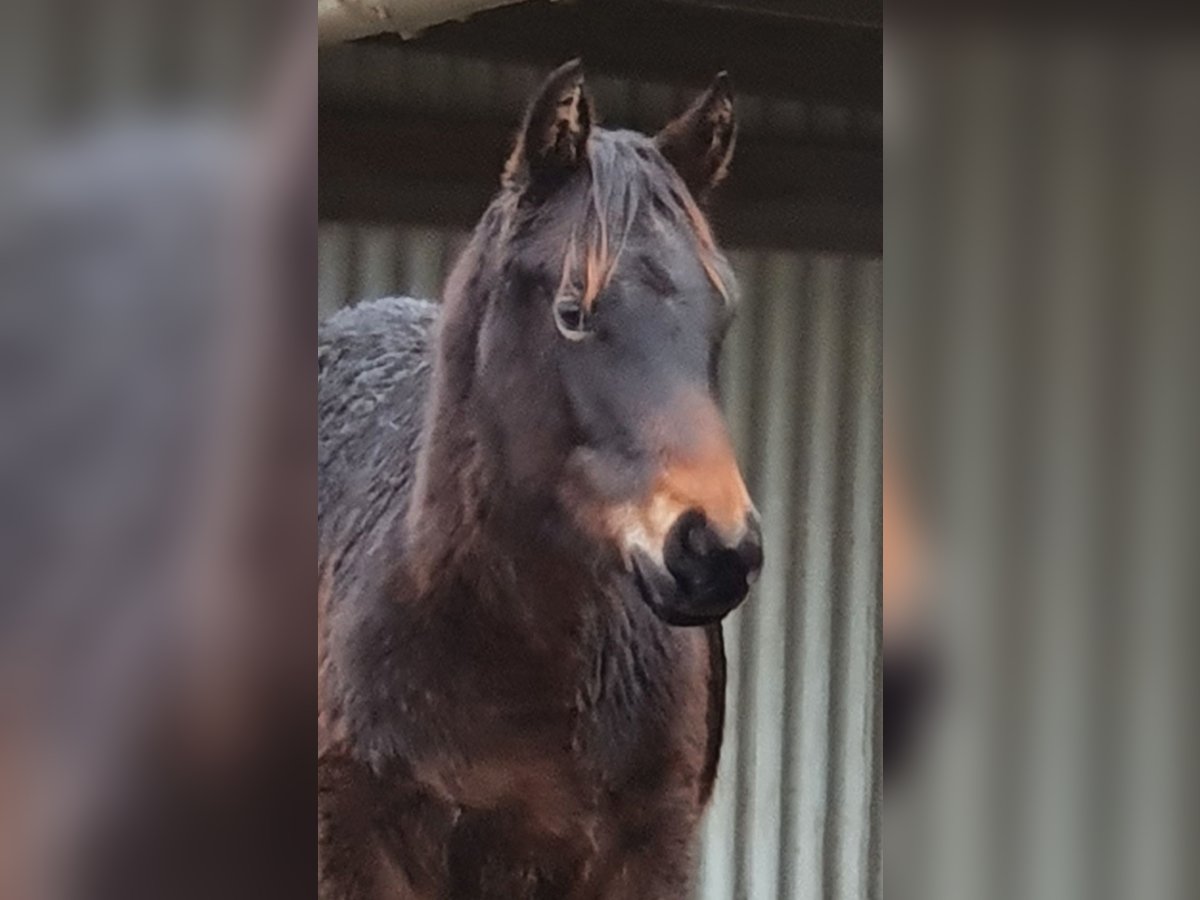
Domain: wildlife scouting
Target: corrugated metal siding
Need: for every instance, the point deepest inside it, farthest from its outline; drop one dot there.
(793, 811)
(793, 814)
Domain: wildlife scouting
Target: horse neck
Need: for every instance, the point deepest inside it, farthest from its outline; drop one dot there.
(446, 513)
(511, 554)
(464, 513)
(460, 507)
(500, 569)
(461, 515)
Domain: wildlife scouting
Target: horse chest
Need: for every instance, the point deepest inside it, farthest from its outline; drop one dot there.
(560, 809)
(567, 740)
(549, 764)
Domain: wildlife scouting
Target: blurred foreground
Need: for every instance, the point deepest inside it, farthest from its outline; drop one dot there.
(1042, 285)
(156, 472)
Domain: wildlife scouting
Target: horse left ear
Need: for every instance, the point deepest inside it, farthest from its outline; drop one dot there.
(554, 136)
(699, 144)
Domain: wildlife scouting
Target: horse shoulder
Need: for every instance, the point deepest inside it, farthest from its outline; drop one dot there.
(373, 373)
(374, 362)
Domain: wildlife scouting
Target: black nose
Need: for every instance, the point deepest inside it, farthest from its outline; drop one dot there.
(711, 574)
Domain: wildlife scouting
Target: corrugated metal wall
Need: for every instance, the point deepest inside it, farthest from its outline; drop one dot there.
(794, 810)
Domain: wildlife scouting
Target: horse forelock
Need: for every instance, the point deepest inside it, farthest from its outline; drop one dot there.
(586, 225)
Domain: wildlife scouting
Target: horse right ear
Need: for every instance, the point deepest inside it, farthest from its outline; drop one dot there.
(699, 144)
(553, 139)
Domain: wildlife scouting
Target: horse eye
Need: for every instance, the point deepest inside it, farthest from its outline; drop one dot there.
(569, 317)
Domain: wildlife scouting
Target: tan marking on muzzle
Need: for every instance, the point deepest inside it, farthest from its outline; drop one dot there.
(714, 486)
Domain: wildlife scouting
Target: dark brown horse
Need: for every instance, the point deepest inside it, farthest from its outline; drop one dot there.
(531, 524)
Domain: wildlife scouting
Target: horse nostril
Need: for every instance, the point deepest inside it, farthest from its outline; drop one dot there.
(698, 536)
(690, 546)
(695, 551)
(712, 575)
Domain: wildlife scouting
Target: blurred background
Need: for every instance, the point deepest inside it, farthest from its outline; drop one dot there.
(157, 233)
(413, 137)
(1043, 223)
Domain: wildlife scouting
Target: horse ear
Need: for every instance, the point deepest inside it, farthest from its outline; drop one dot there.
(554, 136)
(699, 144)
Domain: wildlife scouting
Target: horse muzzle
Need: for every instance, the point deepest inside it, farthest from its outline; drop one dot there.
(702, 578)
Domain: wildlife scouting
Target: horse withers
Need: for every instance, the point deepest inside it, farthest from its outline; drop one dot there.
(531, 524)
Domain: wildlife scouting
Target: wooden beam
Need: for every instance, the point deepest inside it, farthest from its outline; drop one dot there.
(346, 20)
